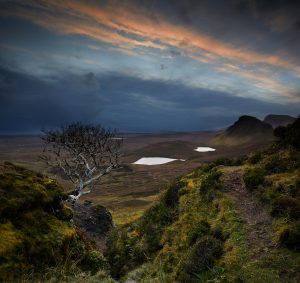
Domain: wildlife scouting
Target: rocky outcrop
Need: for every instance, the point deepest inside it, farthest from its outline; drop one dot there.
(93, 222)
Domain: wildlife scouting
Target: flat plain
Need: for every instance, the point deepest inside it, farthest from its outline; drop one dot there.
(131, 189)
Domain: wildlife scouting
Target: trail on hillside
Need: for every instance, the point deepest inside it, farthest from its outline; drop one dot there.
(257, 218)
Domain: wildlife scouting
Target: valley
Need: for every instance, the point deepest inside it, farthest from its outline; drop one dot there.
(131, 189)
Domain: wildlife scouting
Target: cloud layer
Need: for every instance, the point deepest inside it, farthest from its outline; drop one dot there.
(119, 101)
(208, 57)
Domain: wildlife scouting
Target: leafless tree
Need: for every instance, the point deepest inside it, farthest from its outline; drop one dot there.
(84, 153)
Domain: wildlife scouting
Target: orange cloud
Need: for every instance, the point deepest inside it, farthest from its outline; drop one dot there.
(262, 79)
(131, 27)
(138, 22)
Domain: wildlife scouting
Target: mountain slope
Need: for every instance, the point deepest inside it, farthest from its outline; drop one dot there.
(246, 129)
(279, 120)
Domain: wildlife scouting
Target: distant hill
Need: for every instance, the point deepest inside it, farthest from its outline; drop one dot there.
(279, 120)
(246, 129)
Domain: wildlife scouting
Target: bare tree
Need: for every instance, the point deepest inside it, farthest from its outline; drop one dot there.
(84, 153)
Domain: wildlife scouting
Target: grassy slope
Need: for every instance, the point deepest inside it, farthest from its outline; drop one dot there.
(195, 234)
(37, 240)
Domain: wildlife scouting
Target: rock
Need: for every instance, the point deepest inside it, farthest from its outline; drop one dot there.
(94, 222)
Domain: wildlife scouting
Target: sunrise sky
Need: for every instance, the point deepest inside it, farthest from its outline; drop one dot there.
(148, 65)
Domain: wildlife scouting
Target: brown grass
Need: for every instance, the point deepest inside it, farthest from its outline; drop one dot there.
(133, 188)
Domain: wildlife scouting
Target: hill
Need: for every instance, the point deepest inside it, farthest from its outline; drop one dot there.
(279, 120)
(37, 240)
(245, 130)
(234, 220)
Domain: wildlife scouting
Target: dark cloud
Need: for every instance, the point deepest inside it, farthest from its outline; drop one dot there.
(150, 105)
(262, 25)
(28, 103)
(128, 103)
(282, 14)
(259, 32)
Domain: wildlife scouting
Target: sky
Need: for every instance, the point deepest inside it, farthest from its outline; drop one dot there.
(147, 65)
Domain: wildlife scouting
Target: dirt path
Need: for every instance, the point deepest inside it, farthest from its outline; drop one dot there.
(258, 220)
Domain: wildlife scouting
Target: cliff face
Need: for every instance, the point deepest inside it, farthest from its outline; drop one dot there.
(246, 129)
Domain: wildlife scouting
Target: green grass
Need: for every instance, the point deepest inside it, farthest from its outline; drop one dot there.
(37, 240)
(195, 234)
(192, 233)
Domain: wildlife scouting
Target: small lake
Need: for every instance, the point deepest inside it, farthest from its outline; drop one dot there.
(204, 149)
(164, 160)
(155, 160)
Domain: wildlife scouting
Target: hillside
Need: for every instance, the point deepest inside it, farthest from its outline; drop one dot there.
(230, 221)
(37, 240)
(279, 120)
(246, 129)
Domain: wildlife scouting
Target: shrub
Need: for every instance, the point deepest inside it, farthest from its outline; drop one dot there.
(223, 161)
(219, 233)
(209, 182)
(289, 236)
(237, 161)
(171, 196)
(295, 189)
(201, 229)
(255, 158)
(93, 261)
(276, 164)
(289, 135)
(200, 258)
(205, 168)
(254, 177)
(286, 206)
(124, 252)
(153, 223)
(294, 158)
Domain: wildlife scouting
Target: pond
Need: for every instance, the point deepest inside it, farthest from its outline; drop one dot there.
(155, 160)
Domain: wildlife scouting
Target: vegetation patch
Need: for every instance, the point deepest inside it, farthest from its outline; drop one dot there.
(37, 239)
(254, 176)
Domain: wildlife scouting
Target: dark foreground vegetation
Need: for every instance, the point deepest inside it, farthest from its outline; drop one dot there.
(37, 240)
(194, 233)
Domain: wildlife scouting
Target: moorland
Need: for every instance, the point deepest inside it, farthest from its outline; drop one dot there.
(231, 215)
